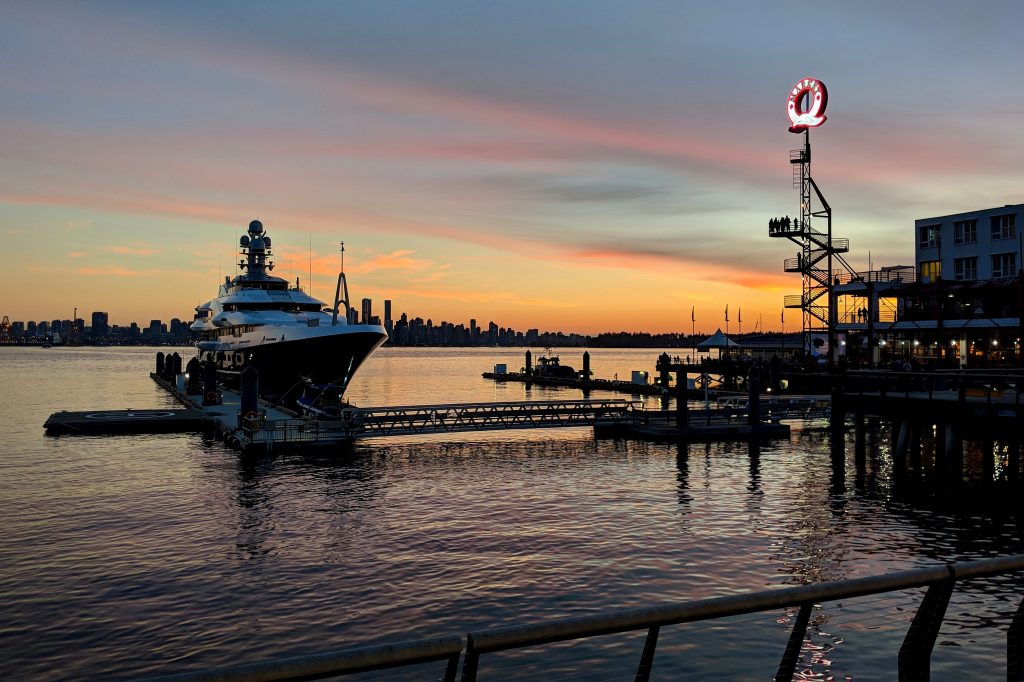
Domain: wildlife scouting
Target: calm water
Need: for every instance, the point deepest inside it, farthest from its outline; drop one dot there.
(133, 556)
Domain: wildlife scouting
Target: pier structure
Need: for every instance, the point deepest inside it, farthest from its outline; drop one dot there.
(819, 260)
(945, 410)
(246, 422)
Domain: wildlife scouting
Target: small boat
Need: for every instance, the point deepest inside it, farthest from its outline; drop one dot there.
(322, 401)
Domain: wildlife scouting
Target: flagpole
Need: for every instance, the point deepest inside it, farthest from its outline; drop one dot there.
(693, 330)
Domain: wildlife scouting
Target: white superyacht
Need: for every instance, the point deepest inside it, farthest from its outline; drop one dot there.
(291, 338)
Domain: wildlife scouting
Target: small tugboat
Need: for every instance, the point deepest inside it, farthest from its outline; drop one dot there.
(291, 338)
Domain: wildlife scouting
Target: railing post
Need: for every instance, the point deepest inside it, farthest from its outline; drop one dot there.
(643, 671)
(1015, 647)
(452, 668)
(471, 661)
(916, 652)
(787, 666)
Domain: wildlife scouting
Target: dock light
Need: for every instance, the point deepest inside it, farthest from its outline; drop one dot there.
(916, 343)
(882, 342)
(994, 342)
(953, 342)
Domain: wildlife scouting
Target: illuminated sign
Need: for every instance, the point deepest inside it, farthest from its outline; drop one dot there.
(817, 97)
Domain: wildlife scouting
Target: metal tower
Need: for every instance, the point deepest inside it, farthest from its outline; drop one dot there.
(819, 253)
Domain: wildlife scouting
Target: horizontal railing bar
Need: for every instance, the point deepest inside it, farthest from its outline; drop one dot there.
(719, 607)
(329, 664)
(537, 403)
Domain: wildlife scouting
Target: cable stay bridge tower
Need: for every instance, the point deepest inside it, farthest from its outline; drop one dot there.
(819, 260)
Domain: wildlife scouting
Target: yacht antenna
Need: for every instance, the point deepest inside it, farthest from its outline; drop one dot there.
(310, 284)
(342, 256)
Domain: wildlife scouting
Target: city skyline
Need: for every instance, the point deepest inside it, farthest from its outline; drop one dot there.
(359, 312)
(575, 167)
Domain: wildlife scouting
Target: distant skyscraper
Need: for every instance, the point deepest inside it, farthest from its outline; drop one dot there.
(367, 310)
(100, 325)
(387, 312)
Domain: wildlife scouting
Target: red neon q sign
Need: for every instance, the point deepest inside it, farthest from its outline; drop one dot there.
(814, 116)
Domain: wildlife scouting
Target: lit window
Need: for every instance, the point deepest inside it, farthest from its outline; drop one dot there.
(930, 235)
(931, 270)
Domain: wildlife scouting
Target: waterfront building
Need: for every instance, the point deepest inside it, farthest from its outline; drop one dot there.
(958, 306)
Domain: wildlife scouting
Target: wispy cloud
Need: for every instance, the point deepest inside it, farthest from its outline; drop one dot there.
(114, 271)
(132, 250)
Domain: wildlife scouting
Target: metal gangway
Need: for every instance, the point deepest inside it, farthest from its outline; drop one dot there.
(405, 420)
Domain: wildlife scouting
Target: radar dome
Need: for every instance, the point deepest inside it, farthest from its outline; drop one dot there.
(244, 241)
(266, 240)
(255, 227)
(257, 244)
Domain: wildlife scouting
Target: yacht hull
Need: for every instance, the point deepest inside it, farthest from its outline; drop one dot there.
(284, 366)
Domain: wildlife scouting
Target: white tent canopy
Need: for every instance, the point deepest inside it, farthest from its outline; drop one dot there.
(717, 340)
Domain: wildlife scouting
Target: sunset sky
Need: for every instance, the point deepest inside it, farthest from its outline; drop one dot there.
(581, 166)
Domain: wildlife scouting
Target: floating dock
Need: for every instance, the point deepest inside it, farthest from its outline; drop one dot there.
(582, 384)
(125, 421)
(271, 427)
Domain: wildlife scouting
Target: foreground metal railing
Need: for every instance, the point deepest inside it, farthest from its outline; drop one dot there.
(913, 661)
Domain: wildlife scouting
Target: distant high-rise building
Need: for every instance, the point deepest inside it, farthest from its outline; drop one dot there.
(367, 310)
(31, 329)
(387, 315)
(100, 325)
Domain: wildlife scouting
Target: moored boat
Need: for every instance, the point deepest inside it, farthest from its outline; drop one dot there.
(262, 321)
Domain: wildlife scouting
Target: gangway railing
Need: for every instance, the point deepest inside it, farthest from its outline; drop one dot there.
(445, 418)
(913, 662)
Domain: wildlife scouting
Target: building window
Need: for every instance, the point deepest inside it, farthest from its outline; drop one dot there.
(1004, 265)
(930, 235)
(1004, 226)
(965, 232)
(965, 268)
(931, 270)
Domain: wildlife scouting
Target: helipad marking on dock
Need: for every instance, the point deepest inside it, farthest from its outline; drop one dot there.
(139, 414)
